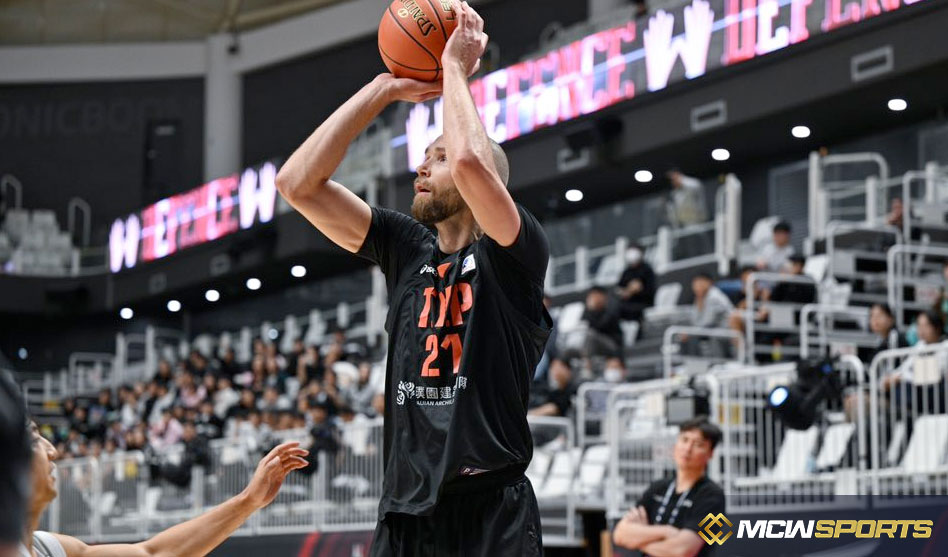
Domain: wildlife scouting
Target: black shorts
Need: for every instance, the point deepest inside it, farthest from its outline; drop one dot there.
(491, 523)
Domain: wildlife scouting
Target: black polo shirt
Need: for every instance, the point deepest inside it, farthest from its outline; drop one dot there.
(681, 510)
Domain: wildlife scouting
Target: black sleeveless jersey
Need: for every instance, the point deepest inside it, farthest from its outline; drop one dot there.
(466, 331)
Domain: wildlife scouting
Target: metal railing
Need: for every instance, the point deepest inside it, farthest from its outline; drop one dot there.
(768, 465)
(908, 422)
(750, 322)
(555, 485)
(670, 349)
(897, 277)
(115, 498)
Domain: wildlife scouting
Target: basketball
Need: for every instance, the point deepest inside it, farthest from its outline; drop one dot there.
(412, 35)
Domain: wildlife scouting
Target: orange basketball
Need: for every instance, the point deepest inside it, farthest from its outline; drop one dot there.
(412, 36)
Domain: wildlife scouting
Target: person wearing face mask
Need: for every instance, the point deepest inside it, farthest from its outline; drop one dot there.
(636, 287)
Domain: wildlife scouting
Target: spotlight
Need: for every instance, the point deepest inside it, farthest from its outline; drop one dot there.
(22, 353)
(126, 313)
(273, 334)
(798, 404)
(298, 271)
(212, 295)
(253, 284)
(574, 195)
(800, 132)
(643, 176)
(174, 306)
(720, 154)
(897, 105)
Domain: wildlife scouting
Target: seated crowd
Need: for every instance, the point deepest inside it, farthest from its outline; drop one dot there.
(195, 400)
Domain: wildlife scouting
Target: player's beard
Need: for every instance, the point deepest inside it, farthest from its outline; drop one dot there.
(434, 208)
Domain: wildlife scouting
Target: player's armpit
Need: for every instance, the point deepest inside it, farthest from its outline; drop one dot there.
(335, 211)
(76, 548)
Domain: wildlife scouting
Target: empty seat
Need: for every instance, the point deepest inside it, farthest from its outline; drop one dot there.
(592, 469)
(835, 443)
(44, 219)
(538, 468)
(794, 453)
(560, 478)
(928, 445)
(609, 271)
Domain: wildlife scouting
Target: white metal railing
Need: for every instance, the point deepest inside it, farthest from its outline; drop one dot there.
(750, 311)
(837, 228)
(821, 191)
(554, 487)
(824, 335)
(768, 465)
(113, 497)
(897, 276)
(670, 349)
(577, 271)
(908, 423)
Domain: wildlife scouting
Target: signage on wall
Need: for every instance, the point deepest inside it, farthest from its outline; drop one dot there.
(216, 209)
(636, 58)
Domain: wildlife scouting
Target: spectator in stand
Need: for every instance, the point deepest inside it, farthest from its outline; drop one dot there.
(166, 432)
(101, 412)
(686, 203)
(775, 255)
(359, 395)
(881, 324)
(604, 337)
(710, 310)
(163, 400)
(197, 364)
(274, 355)
(559, 400)
(128, 413)
(225, 398)
(666, 519)
(736, 321)
(190, 395)
(293, 358)
(196, 453)
(894, 217)
(310, 366)
(208, 423)
(641, 8)
(324, 433)
(247, 403)
(273, 401)
(165, 374)
(227, 364)
(636, 288)
(275, 376)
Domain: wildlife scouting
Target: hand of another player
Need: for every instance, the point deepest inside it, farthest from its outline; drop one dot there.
(409, 90)
(466, 45)
(271, 472)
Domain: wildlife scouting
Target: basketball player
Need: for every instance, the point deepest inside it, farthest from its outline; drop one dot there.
(466, 321)
(193, 538)
(14, 465)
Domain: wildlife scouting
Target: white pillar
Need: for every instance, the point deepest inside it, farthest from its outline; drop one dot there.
(222, 109)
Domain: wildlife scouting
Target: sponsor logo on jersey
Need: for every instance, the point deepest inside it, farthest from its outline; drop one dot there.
(468, 265)
(429, 270)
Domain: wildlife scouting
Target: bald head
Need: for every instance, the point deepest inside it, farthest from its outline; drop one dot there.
(500, 161)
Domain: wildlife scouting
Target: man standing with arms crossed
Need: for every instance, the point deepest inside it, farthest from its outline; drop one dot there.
(466, 320)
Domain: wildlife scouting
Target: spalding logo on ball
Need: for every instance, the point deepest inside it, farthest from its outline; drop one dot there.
(412, 36)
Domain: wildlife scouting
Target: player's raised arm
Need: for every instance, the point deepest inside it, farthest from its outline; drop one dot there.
(200, 535)
(469, 150)
(304, 179)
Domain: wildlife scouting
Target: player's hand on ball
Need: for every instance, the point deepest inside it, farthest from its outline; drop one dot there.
(467, 43)
(271, 472)
(409, 90)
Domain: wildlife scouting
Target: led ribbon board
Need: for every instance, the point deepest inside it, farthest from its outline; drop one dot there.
(214, 210)
(631, 59)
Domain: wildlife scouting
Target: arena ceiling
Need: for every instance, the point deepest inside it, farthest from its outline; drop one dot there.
(39, 22)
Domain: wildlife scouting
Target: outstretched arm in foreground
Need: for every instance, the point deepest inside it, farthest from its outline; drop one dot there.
(200, 535)
(468, 148)
(304, 179)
